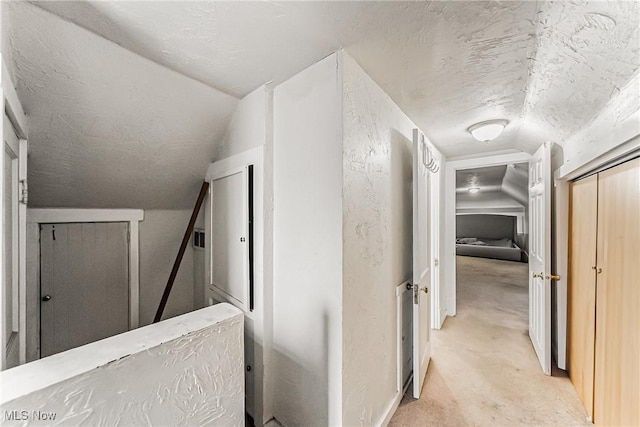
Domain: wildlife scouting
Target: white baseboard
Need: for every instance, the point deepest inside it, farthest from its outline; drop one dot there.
(391, 409)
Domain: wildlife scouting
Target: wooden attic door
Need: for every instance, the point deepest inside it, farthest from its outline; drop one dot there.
(84, 283)
(604, 294)
(617, 344)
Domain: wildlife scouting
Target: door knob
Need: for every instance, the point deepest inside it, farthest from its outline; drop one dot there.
(554, 277)
(426, 290)
(46, 298)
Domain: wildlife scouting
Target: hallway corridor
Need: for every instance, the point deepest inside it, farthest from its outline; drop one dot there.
(483, 370)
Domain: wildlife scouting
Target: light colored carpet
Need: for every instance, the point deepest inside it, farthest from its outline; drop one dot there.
(484, 371)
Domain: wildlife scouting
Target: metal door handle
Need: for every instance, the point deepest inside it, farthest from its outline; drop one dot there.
(426, 290)
(554, 277)
(538, 275)
(46, 298)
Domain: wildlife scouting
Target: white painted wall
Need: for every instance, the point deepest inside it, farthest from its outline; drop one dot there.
(248, 140)
(377, 236)
(149, 376)
(247, 127)
(486, 201)
(307, 239)
(161, 233)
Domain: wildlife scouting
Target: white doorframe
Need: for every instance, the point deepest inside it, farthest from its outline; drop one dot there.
(132, 216)
(18, 119)
(218, 293)
(449, 255)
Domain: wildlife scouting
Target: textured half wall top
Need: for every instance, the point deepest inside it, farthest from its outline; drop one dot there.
(194, 375)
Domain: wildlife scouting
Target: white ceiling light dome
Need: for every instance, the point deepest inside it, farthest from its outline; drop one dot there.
(487, 131)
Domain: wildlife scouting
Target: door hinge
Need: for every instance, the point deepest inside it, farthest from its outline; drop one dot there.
(415, 294)
(23, 191)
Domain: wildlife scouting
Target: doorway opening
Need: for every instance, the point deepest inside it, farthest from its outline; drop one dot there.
(492, 245)
(83, 277)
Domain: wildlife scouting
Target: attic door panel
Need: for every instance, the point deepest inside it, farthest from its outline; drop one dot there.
(84, 283)
(229, 238)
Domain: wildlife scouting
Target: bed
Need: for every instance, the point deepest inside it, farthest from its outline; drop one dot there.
(488, 248)
(487, 236)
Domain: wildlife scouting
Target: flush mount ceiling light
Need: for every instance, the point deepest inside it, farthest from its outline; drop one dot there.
(487, 131)
(473, 189)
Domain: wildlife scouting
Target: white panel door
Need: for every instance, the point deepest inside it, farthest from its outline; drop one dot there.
(421, 265)
(11, 330)
(84, 283)
(229, 239)
(540, 255)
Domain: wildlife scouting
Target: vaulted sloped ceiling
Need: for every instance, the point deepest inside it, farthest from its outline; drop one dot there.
(510, 180)
(548, 67)
(107, 127)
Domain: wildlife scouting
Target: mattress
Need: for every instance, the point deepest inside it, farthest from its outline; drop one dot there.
(488, 248)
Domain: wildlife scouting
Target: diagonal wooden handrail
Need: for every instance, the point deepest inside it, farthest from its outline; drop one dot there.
(183, 247)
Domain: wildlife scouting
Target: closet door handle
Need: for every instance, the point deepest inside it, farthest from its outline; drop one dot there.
(597, 269)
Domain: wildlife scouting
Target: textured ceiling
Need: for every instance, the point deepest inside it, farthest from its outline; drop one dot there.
(108, 128)
(547, 67)
(511, 180)
(488, 177)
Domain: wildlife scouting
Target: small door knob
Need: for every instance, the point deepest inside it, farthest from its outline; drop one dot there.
(46, 298)
(426, 290)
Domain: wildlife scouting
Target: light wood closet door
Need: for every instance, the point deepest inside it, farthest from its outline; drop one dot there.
(617, 360)
(583, 232)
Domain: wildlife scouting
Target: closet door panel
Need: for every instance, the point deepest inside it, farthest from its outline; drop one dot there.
(617, 360)
(581, 314)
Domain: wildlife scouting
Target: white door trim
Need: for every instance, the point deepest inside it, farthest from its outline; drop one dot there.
(12, 103)
(18, 120)
(221, 294)
(449, 255)
(132, 216)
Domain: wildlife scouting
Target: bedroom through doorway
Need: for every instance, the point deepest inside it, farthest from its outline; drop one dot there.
(492, 295)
